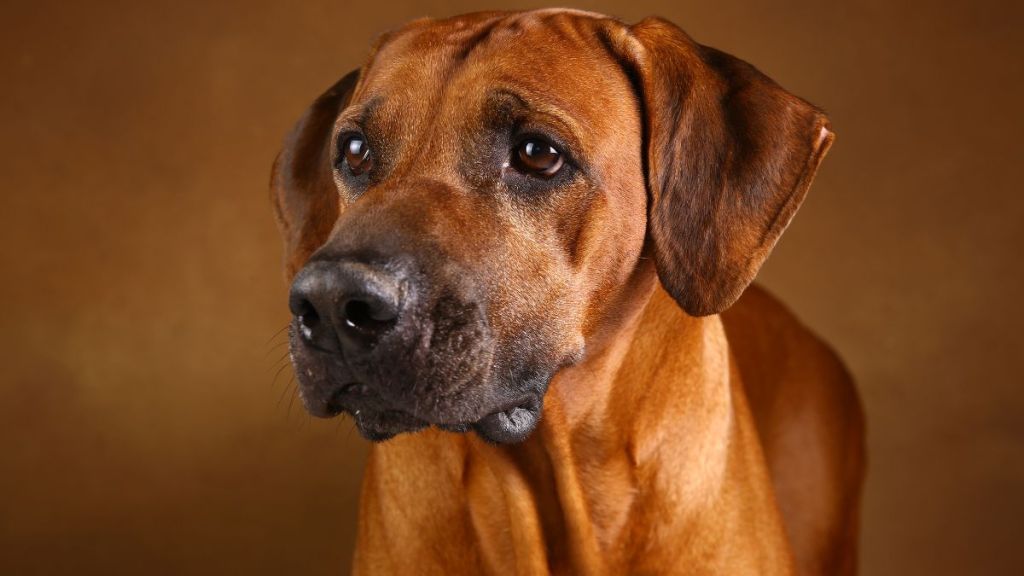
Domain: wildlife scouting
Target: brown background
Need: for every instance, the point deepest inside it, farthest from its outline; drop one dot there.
(141, 426)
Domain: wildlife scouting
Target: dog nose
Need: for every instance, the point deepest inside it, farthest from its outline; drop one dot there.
(345, 304)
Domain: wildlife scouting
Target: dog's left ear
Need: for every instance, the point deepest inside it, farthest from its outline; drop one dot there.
(730, 156)
(301, 182)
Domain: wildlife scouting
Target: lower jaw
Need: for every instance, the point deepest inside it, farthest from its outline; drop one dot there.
(504, 427)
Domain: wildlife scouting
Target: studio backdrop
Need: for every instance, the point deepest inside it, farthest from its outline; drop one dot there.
(148, 419)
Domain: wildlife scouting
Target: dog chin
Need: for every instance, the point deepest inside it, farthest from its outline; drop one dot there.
(508, 426)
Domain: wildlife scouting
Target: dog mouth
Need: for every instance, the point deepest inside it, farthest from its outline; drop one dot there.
(512, 422)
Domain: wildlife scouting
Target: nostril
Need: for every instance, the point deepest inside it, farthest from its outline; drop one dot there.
(357, 313)
(368, 318)
(308, 317)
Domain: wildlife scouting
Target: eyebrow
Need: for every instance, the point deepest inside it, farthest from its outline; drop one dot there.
(359, 114)
(508, 102)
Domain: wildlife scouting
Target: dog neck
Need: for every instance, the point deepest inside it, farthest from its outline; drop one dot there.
(609, 449)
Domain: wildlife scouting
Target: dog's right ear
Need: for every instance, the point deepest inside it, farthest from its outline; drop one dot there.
(730, 155)
(301, 182)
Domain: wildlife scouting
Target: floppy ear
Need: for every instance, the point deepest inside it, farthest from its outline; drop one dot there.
(301, 182)
(730, 156)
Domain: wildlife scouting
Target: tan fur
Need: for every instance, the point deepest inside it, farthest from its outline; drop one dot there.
(720, 444)
(624, 476)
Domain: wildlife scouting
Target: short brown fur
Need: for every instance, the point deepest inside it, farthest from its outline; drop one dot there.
(672, 441)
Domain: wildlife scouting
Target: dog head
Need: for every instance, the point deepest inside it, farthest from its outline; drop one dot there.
(465, 211)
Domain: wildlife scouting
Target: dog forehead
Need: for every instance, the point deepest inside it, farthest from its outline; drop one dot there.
(461, 35)
(550, 56)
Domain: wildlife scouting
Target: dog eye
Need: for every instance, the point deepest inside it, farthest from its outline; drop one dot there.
(357, 155)
(537, 157)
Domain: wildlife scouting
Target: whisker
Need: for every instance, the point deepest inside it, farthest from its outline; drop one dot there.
(276, 334)
(278, 373)
(274, 347)
(279, 360)
(280, 396)
(291, 402)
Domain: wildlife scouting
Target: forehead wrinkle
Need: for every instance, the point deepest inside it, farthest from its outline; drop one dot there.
(420, 61)
(553, 24)
(565, 40)
(449, 41)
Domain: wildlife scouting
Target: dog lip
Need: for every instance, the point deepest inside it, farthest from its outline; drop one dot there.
(335, 402)
(511, 425)
(452, 425)
(352, 387)
(386, 424)
(507, 410)
(349, 390)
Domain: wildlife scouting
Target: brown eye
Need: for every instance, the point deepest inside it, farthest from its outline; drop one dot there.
(357, 155)
(537, 157)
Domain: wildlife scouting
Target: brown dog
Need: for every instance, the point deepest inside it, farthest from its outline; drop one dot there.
(503, 212)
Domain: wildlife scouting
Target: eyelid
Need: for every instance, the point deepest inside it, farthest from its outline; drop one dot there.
(356, 115)
(347, 123)
(344, 133)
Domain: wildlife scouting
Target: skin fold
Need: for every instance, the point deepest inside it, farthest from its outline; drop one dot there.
(571, 373)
